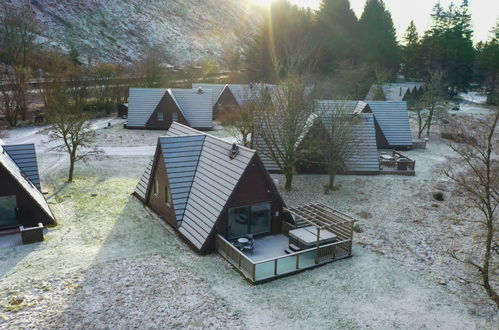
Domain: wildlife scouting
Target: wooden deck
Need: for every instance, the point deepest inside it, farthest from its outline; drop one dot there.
(256, 269)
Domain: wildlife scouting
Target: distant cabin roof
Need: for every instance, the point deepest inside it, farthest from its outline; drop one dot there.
(217, 90)
(202, 178)
(346, 106)
(24, 155)
(195, 105)
(141, 104)
(394, 92)
(364, 156)
(11, 167)
(393, 119)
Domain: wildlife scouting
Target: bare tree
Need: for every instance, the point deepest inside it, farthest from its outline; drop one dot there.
(65, 98)
(242, 118)
(281, 122)
(104, 79)
(151, 68)
(427, 107)
(480, 184)
(339, 138)
(18, 31)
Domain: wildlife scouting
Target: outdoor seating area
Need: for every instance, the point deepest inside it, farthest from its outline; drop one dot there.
(314, 235)
(393, 162)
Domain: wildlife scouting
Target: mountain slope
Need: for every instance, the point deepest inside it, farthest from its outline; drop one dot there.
(187, 30)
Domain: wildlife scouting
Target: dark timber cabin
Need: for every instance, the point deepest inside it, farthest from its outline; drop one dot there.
(391, 120)
(229, 97)
(21, 202)
(364, 156)
(202, 186)
(157, 108)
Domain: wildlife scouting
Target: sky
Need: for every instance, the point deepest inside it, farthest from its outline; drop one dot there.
(484, 13)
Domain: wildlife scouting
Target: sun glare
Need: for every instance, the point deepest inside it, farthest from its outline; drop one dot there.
(263, 2)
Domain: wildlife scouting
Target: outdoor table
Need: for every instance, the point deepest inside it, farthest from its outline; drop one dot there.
(242, 240)
(306, 237)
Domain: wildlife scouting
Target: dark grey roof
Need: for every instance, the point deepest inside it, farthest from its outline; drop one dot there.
(364, 157)
(141, 104)
(346, 106)
(141, 189)
(217, 90)
(394, 92)
(24, 155)
(393, 119)
(8, 163)
(196, 106)
(181, 157)
(212, 176)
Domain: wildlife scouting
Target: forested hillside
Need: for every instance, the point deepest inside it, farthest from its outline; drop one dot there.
(187, 30)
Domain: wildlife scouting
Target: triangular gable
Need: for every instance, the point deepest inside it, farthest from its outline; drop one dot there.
(142, 102)
(35, 194)
(24, 155)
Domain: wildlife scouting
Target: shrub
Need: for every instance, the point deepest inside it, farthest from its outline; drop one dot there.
(438, 196)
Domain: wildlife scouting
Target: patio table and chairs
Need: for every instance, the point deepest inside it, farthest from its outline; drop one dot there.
(244, 243)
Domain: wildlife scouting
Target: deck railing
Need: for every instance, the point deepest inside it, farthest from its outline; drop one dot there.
(265, 270)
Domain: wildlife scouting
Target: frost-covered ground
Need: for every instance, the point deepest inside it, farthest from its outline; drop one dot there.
(110, 263)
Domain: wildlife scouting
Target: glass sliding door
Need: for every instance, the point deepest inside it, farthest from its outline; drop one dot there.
(260, 219)
(8, 216)
(254, 219)
(239, 221)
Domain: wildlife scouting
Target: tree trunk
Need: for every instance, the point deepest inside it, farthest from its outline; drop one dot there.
(245, 139)
(429, 120)
(71, 169)
(289, 180)
(486, 259)
(332, 176)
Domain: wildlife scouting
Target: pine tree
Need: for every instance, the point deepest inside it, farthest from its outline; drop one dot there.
(448, 45)
(379, 41)
(411, 57)
(338, 34)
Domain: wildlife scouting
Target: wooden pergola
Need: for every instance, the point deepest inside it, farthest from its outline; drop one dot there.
(323, 217)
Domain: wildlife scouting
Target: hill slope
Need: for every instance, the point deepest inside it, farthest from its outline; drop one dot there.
(188, 30)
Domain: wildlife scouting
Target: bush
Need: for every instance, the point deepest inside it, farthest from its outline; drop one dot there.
(438, 196)
(357, 228)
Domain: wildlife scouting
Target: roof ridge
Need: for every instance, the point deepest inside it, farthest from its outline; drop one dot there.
(212, 136)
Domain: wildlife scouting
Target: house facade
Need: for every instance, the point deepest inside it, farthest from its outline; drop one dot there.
(21, 201)
(204, 186)
(158, 108)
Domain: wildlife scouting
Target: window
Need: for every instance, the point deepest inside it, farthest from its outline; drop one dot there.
(155, 187)
(167, 196)
(254, 219)
(175, 116)
(161, 116)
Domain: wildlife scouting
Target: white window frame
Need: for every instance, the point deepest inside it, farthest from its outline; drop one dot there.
(161, 116)
(175, 116)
